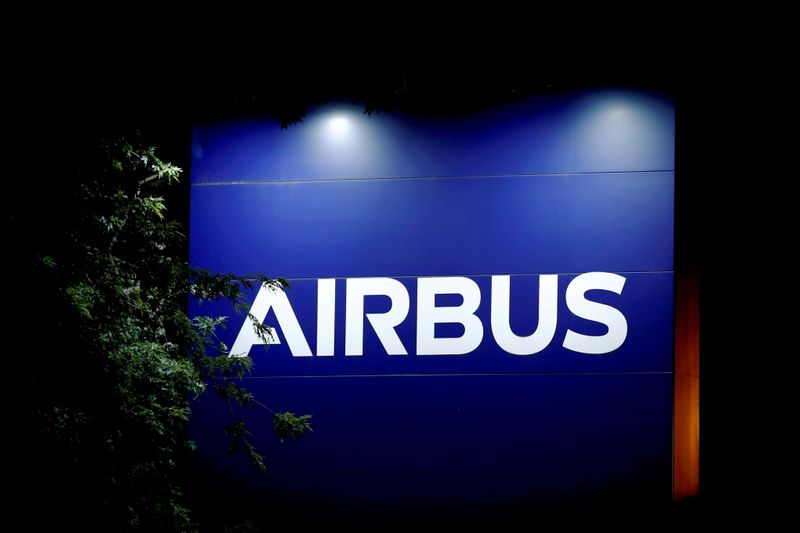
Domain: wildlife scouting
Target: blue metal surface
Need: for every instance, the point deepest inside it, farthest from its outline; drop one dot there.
(465, 439)
(562, 185)
(437, 227)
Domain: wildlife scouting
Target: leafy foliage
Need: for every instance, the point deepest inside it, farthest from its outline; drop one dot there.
(117, 290)
(289, 425)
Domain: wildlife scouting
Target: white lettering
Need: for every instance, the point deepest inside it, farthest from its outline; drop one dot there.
(382, 323)
(326, 316)
(548, 316)
(269, 297)
(596, 312)
(428, 315)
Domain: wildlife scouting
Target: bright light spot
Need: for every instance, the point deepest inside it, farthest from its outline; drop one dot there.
(339, 124)
(621, 131)
(340, 139)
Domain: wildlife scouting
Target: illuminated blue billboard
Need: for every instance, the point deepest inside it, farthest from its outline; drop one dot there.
(481, 307)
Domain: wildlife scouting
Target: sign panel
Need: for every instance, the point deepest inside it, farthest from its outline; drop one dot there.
(480, 307)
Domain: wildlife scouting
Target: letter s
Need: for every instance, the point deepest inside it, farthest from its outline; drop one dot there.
(596, 312)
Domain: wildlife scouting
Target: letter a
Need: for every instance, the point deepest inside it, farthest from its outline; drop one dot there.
(269, 297)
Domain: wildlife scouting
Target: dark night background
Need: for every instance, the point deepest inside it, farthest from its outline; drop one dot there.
(64, 101)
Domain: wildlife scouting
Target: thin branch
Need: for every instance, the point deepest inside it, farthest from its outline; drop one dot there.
(264, 406)
(148, 179)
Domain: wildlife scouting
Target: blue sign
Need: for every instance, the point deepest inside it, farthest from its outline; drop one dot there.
(480, 310)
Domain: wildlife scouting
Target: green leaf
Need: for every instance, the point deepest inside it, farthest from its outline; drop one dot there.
(115, 409)
(289, 425)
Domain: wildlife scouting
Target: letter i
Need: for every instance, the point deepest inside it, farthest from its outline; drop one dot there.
(326, 316)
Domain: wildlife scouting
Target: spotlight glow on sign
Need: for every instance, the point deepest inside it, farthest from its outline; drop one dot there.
(338, 124)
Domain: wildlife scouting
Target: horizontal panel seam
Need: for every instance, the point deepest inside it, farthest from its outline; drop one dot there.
(456, 374)
(207, 182)
(401, 276)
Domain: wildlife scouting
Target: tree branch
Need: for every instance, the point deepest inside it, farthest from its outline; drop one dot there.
(148, 179)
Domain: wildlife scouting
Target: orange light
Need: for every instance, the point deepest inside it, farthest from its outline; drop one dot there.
(686, 418)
